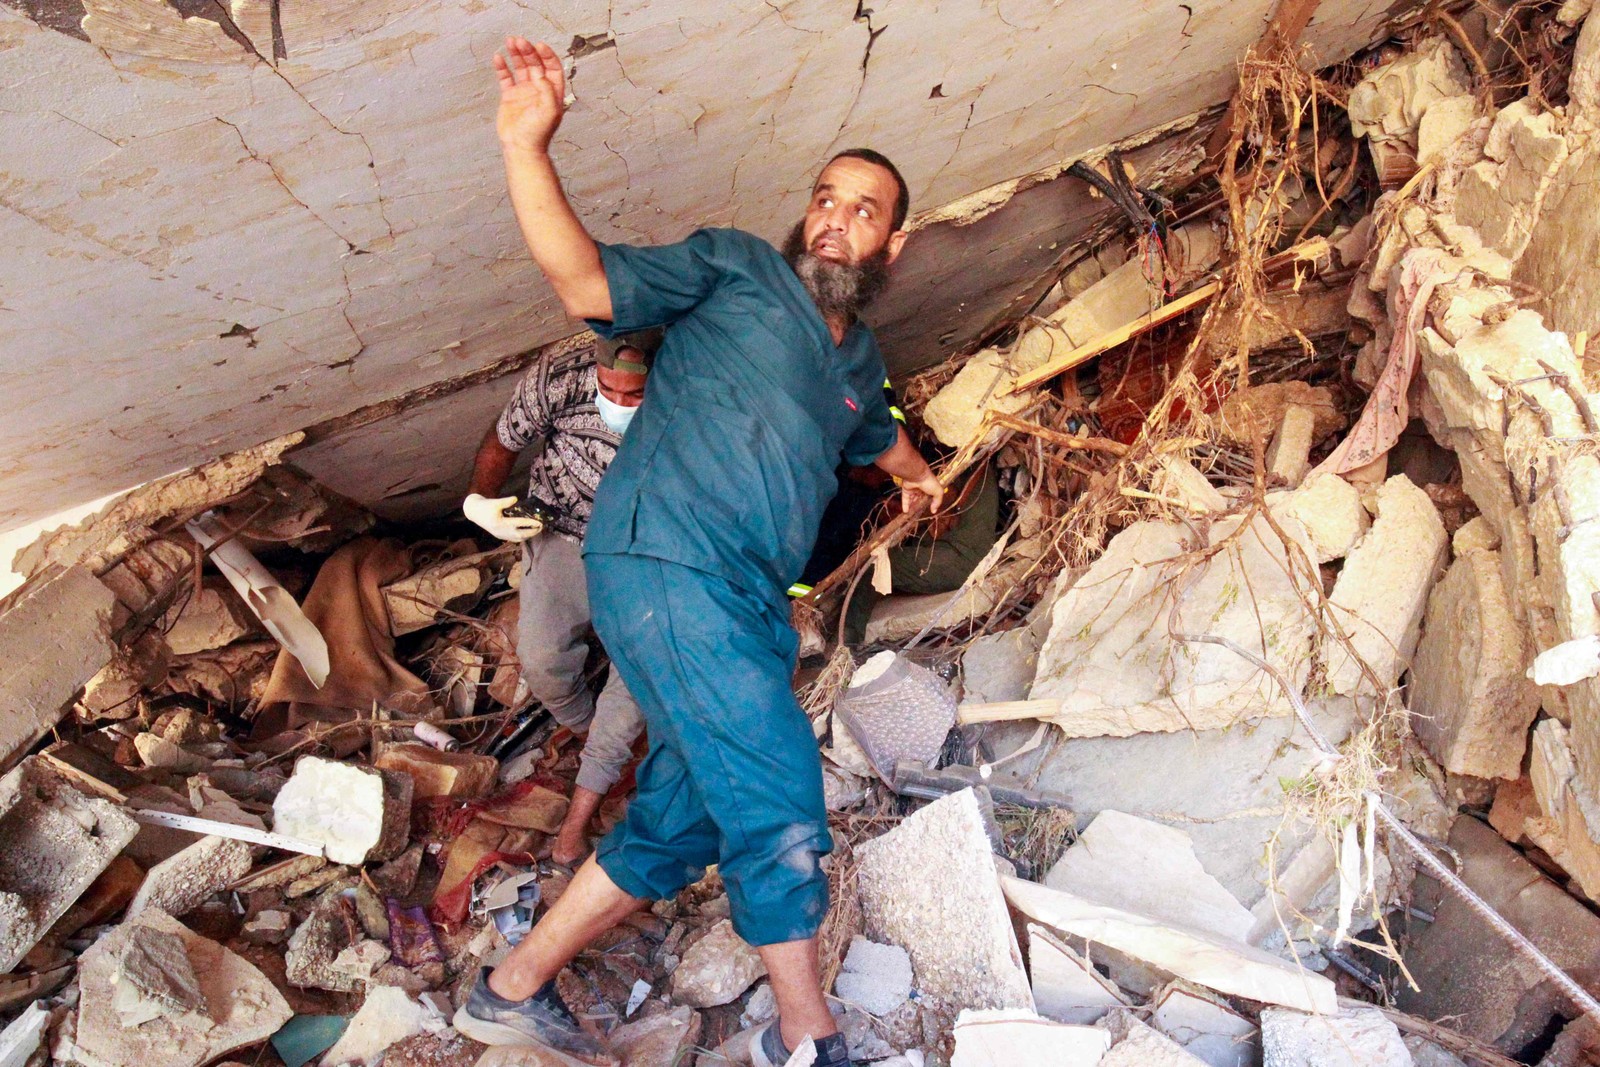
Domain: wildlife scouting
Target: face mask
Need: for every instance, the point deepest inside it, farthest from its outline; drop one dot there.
(612, 414)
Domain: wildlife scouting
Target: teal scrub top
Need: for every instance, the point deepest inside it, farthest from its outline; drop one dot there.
(748, 409)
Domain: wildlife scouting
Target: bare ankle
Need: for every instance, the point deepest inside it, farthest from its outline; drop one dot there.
(512, 984)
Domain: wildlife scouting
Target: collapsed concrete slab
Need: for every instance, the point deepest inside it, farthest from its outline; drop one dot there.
(240, 1006)
(1109, 666)
(356, 813)
(662, 1040)
(1382, 592)
(54, 842)
(1471, 702)
(929, 886)
(1234, 968)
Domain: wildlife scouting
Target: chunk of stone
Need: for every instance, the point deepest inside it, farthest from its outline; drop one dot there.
(1233, 968)
(1482, 986)
(211, 618)
(154, 977)
(1212, 1032)
(1136, 1045)
(1066, 986)
(1003, 1037)
(1356, 1037)
(1110, 665)
(1425, 1053)
(355, 813)
(418, 601)
(269, 927)
(999, 667)
(179, 884)
(929, 885)
(1329, 510)
(1149, 868)
(54, 842)
(317, 942)
(114, 690)
(1390, 102)
(717, 969)
(460, 775)
(1257, 410)
(158, 752)
(1177, 481)
(876, 978)
(1443, 124)
(1382, 592)
(663, 1040)
(1288, 457)
(240, 1006)
(387, 1016)
(1471, 702)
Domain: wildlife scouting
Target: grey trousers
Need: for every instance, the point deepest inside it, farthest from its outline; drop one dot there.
(552, 621)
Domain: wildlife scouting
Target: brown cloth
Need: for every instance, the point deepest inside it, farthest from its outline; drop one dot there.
(346, 603)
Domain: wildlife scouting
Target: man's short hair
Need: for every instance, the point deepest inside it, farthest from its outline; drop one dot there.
(640, 344)
(902, 200)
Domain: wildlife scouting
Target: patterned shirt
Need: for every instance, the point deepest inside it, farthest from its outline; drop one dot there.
(554, 407)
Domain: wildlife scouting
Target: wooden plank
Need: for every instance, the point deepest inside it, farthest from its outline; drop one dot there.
(1085, 352)
(1006, 710)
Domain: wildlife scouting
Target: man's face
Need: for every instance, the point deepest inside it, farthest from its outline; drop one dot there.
(623, 388)
(851, 214)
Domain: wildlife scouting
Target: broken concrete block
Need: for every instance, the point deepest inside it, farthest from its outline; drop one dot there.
(1066, 986)
(454, 586)
(1425, 1053)
(1133, 1044)
(461, 775)
(1471, 703)
(1005, 1037)
(179, 884)
(1109, 666)
(1257, 410)
(1288, 457)
(317, 942)
(1382, 592)
(157, 752)
(1482, 985)
(154, 977)
(1444, 123)
(1390, 102)
(356, 813)
(388, 1015)
(54, 639)
(1502, 196)
(1329, 510)
(717, 969)
(240, 1006)
(212, 617)
(1212, 1032)
(999, 667)
(54, 842)
(269, 927)
(929, 886)
(1149, 868)
(114, 691)
(1177, 481)
(657, 1041)
(1355, 1037)
(876, 978)
(1234, 968)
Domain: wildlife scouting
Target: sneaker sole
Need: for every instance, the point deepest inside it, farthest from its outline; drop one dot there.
(490, 1033)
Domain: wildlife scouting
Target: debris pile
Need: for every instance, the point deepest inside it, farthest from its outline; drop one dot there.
(1299, 579)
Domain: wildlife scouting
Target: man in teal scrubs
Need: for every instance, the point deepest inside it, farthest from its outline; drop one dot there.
(765, 381)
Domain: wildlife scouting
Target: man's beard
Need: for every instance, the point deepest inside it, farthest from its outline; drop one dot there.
(840, 290)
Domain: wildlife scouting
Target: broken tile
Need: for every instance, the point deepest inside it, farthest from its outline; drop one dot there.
(1149, 868)
(1354, 1037)
(54, 842)
(717, 969)
(896, 709)
(459, 775)
(876, 978)
(1471, 703)
(1233, 968)
(241, 1005)
(179, 884)
(1382, 591)
(1066, 986)
(929, 886)
(387, 1016)
(1211, 1031)
(356, 813)
(1007, 1037)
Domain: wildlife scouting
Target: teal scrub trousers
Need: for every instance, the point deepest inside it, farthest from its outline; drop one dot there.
(733, 775)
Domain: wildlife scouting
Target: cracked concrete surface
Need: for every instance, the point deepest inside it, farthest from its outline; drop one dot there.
(212, 244)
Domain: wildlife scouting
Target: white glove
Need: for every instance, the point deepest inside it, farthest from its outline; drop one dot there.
(490, 514)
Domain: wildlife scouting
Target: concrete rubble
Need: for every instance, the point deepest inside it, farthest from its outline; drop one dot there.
(1359, 1037)
(717, 969)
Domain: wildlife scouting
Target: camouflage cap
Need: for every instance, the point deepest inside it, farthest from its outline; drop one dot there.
(641, 346)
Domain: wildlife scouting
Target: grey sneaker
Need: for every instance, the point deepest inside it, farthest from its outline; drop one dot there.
(540, 1021)
(767, 1049)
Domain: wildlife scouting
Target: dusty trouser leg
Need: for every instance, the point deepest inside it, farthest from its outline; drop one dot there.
(616, 725)
(552, 619)
(733, 773)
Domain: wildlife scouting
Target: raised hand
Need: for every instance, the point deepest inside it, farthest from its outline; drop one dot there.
(533, 92)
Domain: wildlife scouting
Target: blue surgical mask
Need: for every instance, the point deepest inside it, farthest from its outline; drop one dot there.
(612, 414)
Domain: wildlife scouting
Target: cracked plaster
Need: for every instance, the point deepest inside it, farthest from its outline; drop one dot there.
(336, 194)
